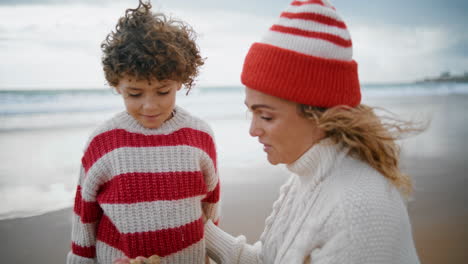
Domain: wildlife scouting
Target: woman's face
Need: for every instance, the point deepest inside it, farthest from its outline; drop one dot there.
(284, 134)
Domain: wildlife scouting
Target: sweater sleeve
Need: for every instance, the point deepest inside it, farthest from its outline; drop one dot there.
(86, 216)
(210, 204)
(226, 249)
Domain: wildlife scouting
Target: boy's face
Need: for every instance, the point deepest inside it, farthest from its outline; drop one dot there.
(150, 103)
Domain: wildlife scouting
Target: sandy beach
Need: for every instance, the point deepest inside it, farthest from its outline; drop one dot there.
(437, 160)
(439, 218)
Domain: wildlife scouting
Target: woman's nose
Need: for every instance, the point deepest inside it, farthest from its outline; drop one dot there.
(254, 130)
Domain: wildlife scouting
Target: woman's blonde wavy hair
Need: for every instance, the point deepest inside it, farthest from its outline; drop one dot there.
(369, 137)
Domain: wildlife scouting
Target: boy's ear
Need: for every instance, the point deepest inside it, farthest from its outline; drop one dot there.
(180, 87)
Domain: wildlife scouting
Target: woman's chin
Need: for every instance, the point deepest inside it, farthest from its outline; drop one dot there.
(273, 161)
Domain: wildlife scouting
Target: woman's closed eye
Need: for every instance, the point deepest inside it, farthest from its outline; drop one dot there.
(263, 115)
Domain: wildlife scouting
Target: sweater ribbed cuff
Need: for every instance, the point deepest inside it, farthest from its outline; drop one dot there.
(74, 259)
(224, 248)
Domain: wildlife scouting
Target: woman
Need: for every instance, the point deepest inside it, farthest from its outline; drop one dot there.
(344, 201)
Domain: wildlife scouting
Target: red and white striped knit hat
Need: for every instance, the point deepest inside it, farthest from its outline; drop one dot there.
(306, 57)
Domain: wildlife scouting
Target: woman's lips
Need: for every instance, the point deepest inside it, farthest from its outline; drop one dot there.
(266, 147)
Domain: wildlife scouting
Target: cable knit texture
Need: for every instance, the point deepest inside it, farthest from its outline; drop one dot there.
(143, 191)
(333, 209)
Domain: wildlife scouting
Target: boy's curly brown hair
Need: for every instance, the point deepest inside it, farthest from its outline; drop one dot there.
(146, 46)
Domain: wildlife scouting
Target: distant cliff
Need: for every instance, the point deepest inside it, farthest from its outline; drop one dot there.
(446, 77)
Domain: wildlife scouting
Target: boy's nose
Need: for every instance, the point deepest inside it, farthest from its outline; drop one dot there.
(150, 104)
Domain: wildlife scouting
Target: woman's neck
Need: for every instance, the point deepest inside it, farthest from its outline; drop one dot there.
(313, 164)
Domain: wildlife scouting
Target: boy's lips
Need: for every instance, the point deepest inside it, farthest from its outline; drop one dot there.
(150, 117)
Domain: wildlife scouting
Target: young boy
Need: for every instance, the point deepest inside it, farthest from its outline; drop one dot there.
(148, 176)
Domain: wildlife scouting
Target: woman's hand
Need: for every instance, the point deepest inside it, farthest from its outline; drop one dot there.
(138, 260)
(123, 260)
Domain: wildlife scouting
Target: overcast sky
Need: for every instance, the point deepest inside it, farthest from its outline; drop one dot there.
(56, 44)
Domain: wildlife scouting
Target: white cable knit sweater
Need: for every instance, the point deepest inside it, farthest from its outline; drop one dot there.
(333, 209)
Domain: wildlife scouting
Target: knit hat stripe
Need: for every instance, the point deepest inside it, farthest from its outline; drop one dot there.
(310, 2)
(317, 10)
(322, 48)
(317, 21)
(310, 34)
(314, 17)
(318, 27)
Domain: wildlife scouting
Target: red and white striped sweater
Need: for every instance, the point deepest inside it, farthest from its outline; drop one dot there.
(143, 191)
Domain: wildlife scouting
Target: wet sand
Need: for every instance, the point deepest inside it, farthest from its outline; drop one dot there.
(43, 239)
(439, 217)
(439, 212)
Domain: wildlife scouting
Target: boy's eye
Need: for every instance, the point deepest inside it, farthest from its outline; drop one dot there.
(133, 95)
(163, 93)
(266, 118)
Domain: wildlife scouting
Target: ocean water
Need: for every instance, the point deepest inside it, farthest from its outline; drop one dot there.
(42, 134)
